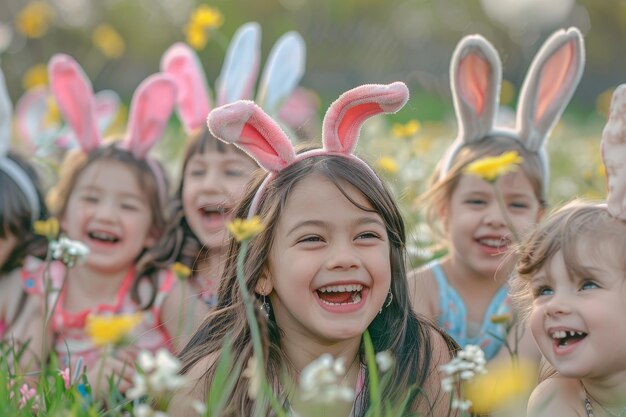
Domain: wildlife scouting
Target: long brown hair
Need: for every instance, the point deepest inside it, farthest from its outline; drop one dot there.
(396, 329)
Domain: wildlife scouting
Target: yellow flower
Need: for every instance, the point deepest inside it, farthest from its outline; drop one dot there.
(48, 228)
(35, 76)
(387, 164)
(53, 115)
(182, 271)
(243, 229)
(407, 130)
(500, 318)
(492, 167)
(507, 92)
(34, 20)
(202, 19)
(108, 41)
(104, 330)
(502, 386)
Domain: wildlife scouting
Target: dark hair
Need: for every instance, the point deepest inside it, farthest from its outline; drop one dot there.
(76, 163)
(396, 329)
(16, 217)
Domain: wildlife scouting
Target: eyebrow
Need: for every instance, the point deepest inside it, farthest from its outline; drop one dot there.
(319, 223)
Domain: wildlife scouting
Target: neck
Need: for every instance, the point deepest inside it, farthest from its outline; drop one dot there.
(92, 287)
(458, 270)
(607, 394)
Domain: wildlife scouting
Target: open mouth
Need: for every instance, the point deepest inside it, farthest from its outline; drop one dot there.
(103, 237)
(564, 338)
(494, 244)
(340, 295)
(213, 212)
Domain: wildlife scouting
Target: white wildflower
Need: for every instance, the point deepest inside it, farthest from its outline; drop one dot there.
(159, 374)
(468, 363)
(461, 404)
(69, 251)
(384, 360)
(199, 407)
(322, 381)
(144, 410)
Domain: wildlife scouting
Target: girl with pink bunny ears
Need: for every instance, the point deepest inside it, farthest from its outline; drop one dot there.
(112, 198)
(328, 266)
(466, 288)
(214, 174)
(571, 278)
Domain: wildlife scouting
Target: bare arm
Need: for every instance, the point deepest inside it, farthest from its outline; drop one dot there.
(556, 397)
(182, 313)
(423, 293)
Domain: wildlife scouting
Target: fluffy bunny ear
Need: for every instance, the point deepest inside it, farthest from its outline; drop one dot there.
(193, 101)
(343, 120)
(283, 71)
(549, 86)
(74, 95)
(244, 124)
(107, 107)
(6, 117)
(614, 154)
(150, 110)
(475, 76)
(241, 65)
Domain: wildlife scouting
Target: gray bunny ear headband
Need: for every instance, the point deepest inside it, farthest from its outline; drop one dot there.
(475, 77)
(614, 154)
(7, 165)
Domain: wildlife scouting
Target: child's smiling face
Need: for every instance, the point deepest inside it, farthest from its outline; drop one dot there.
(578, 321)
(329, 267)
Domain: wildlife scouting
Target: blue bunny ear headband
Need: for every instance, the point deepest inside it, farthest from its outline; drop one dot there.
(7, 165)
(281, 75)
(475, 76)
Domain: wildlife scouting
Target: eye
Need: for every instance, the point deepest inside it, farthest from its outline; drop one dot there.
(475, 202)
(588, 285)
(310, 239)
(196, 172)
(368, 235)
(542, 291)
(232, 172)
(89, 198)
(129, 207)
(518, 205)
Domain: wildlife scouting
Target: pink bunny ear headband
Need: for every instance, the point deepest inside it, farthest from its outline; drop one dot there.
(614, 154)
(244, 124)
(237, 79)
(475, 76)
(151, 107)
(8, 166)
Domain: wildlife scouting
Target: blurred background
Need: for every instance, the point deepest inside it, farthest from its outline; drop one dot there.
(349, 42)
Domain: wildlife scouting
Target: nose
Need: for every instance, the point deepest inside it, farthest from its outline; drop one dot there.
(559, 304)
(106, 210)
(342, 256)
(212, 181)
(494, 216)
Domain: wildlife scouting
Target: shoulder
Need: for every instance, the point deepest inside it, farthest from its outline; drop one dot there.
(423, 290)
(556, 396)
(195, 390)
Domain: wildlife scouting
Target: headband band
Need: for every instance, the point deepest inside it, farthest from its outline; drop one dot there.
(23, 181)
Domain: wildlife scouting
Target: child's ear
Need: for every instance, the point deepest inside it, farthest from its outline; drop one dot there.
(264, 284)
(443, 212)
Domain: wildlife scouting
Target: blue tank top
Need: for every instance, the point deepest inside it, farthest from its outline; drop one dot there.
(453, 315)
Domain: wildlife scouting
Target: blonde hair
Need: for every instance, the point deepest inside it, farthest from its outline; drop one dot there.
(441, 188)
(578, 223)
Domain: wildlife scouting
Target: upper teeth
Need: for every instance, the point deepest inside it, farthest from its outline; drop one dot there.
(496, 243)
(102, 235)
(341, 288)
(560, 334)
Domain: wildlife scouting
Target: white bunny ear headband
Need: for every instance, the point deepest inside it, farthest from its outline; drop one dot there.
(614, 154)
(151, 107)
(246, 125)
(8, 166)
(475, 77)
(237, 79)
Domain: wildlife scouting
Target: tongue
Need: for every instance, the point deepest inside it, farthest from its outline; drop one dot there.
(336, 297)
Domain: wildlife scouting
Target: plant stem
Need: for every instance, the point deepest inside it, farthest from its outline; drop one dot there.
(372, 370)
